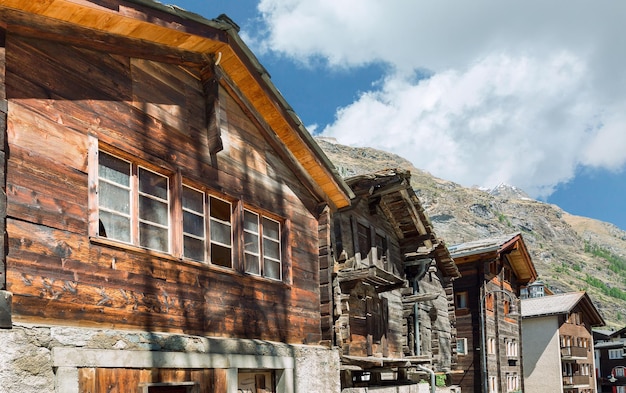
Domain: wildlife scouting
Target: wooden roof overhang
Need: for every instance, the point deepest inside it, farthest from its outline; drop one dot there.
(511, 246)
(391, 190)
(381, 280)
(592, 315)
(170, 34)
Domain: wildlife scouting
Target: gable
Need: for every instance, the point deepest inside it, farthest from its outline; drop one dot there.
(182, 39)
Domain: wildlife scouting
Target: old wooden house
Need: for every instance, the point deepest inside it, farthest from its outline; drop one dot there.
(489, 346)
(160, 208)
(387, 297)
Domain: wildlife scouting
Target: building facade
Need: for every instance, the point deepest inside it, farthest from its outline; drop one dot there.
(610, 359)
(389, 288)
(558, 343)
(160, 210)
(489, 338)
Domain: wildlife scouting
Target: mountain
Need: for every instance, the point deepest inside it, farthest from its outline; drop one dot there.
(570, 252)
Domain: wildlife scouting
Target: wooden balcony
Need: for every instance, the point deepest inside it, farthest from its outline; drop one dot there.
(576, 380)
(574, 352)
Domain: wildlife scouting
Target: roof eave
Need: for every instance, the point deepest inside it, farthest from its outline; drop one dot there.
(237, 61)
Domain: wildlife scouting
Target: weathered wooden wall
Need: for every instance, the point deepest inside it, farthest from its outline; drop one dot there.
(62, 95)
(351, 330)
(3, 158)
(468, 368)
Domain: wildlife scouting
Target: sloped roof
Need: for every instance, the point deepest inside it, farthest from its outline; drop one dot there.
(196, 40)
(511, 244)
(563, 303)
(391, 190)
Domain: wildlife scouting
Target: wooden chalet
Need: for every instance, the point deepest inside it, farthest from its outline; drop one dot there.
(489, 346)
(386, 285)
(161, 204)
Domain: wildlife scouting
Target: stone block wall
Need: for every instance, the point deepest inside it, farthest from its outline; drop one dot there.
(46, 359)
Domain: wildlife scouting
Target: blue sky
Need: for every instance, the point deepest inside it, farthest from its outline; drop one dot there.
(529, 93)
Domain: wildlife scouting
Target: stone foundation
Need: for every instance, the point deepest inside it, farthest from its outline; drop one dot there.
(46, 359)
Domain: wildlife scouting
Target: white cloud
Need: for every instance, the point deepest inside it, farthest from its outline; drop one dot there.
(521, 92)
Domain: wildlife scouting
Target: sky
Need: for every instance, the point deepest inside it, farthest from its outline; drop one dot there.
(528, 93)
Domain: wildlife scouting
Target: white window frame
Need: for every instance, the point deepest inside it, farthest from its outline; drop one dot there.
(461, 346)
(616, 353)
(493, 384)
(259, 252)
(491, 346)
(134, 215)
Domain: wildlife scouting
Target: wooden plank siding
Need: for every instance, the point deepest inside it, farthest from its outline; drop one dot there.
(62, 96)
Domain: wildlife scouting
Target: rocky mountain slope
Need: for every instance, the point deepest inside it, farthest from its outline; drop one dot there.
(570, 252)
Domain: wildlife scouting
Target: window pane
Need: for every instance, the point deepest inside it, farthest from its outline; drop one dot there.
(193, 200)
(271, 249)
(152, 237)
(220, 209)
(220, 232)
(250, 221)
(193, 248)
(271, 228)
(153, 210)
(113, 197)
(114, 226)
(113, 169)
(272, 269)
(252, 264)
(220, 255)
(152, 184)
(251, 242)
(193, 224)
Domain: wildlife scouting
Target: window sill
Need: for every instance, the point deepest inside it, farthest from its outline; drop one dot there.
(101, 241)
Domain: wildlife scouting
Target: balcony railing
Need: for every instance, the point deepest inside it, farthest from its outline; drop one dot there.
(577, 352)
(575, 380)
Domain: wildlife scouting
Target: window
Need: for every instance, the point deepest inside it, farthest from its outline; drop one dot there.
(491, 346)
(461, 346)
(493, 385)
(489, 302)
(220, 227)
(615, 353)
(618, 371)
(512, 382)
(381, 248)
(194, 205)
(461, 300)
(620, 389)
(365, 240)
(262, 255)
(511, 347)
(506, 305)
(133, 203)
(194, 238)
(139, 205)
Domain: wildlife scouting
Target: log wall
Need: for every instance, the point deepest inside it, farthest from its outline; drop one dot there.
(60, 97)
